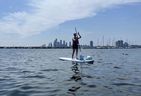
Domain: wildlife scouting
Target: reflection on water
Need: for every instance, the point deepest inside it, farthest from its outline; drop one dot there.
(77, 74)
(76, 77)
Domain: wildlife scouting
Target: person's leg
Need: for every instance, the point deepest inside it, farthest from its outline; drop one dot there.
(77, 53)
(73, 52)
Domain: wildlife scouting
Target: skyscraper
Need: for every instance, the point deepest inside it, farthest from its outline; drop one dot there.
(119, 44)
(55, 43)
(91, 44)
(69, 44)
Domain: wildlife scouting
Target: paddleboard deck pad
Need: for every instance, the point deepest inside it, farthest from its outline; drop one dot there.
(76, 60)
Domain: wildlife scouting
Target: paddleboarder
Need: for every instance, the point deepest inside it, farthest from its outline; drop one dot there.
(75, 44)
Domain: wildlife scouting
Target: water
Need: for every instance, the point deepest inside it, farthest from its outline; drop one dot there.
(38, 72)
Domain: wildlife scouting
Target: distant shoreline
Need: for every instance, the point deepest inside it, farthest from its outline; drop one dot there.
(16, 47)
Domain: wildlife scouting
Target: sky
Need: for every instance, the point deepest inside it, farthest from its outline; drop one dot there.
(37, 22)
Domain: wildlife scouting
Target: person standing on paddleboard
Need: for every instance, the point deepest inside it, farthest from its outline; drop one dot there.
(75, 43)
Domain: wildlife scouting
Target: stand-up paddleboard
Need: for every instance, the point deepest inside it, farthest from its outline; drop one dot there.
(77, 60)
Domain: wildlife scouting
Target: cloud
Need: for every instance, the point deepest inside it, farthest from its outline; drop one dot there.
(46, 14)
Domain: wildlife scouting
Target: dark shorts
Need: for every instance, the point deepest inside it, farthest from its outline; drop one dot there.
(75, 46)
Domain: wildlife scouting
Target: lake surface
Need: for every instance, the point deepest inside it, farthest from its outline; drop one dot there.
(39, 72)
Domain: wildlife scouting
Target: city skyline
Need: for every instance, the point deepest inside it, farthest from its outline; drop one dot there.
(62, 44)
(32, 23)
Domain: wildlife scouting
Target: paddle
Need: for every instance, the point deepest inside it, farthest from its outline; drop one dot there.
(75, 30)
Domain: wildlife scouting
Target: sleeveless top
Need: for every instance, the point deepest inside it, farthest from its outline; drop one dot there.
(75, 41)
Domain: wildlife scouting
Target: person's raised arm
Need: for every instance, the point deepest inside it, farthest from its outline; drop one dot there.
(79, 35)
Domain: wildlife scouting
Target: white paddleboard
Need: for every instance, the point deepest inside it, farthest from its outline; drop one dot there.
(76, 60)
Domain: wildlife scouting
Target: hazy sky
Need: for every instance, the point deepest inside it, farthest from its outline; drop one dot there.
(37, 22)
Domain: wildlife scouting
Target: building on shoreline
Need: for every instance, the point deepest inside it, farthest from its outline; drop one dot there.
(59, 44)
